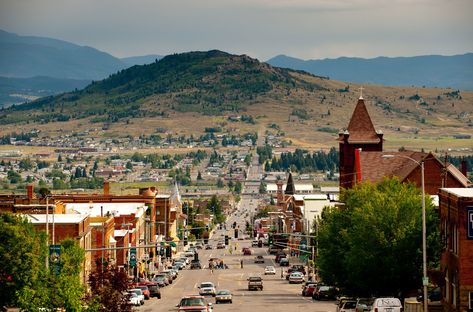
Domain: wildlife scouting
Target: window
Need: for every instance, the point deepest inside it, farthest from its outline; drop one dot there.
(470, 300)
(447, 288)
(454, 290)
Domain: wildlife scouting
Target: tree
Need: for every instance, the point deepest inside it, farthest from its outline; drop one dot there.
(199, 176)
(262, 188)
(108, 285)
(23, 253)
(129, 165)
(238, 187)
(362, 243)
(220, 183)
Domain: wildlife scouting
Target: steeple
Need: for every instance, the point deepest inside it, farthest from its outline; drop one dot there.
(290, 188)
(360, 128)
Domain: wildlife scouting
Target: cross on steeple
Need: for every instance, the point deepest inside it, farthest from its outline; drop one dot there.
(361, 92)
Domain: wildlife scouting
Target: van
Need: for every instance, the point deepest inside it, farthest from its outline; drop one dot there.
(386, 305)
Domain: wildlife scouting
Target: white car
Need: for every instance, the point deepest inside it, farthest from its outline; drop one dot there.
(207, 288)
(269, 270)
(387, 305)
(348, 306)
(134, 299)
(139, 294)
(296, 278)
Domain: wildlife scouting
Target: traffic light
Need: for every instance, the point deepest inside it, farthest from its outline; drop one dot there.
(185, 241)
(270, 240)
(226, 240)
(168, 252)
(236, 233)
(161, 251)
(207, 227)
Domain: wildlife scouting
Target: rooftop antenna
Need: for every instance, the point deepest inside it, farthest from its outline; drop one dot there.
(361, 92)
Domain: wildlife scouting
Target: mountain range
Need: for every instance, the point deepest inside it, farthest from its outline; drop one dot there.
(48, 61)
(429, 71)
(197, 92)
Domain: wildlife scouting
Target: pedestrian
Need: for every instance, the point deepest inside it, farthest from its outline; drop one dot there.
(241, 263)
(282, 273)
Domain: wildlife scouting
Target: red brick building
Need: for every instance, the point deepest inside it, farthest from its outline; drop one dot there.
(362, 159)
(456, 222)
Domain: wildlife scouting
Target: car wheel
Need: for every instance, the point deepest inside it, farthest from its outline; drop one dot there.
(159, 296)
(231, 301)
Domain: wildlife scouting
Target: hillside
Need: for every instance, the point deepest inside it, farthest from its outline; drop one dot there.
(141, 60)
(185, 94)
(430, 70)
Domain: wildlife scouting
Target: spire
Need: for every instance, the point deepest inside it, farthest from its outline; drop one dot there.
(360, 128)
(290, 188)
(361, 92)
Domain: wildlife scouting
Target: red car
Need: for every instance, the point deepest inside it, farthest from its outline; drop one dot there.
(308, 289)
(246, 251)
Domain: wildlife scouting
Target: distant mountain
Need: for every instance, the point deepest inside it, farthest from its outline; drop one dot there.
(19, 90)
(141, 60)
(430, 71)
(201, 93)
(25, 56)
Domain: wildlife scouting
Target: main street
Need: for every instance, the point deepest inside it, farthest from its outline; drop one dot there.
(278, 294)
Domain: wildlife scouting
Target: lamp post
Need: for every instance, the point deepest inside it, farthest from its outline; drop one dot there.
(425, 280)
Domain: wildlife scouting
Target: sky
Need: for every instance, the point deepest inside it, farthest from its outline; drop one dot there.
(307, 29)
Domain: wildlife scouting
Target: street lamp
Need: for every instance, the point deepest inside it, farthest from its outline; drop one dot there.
(425, 279)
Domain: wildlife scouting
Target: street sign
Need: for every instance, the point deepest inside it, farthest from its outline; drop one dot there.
(132, 257)
(55, 258)
(469, 218)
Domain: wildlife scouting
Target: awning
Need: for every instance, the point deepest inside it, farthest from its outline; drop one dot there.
(173, 244)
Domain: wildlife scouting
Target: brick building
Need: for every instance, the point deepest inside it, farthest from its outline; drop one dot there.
(362, 159)
(456, 223)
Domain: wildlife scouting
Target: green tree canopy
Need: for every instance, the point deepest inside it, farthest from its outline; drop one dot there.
(373, 244)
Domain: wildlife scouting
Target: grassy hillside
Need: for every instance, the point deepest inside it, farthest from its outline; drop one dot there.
(186, 93)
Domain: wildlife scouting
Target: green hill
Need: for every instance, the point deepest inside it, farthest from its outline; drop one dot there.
(208, 82)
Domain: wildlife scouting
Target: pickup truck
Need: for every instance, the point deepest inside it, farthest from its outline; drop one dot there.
(255, 283)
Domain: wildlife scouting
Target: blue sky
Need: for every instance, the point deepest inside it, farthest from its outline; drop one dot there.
(308, 29)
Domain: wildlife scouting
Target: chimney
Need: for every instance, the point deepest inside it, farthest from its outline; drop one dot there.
(106, 188)
(29, 191)
(464, 168)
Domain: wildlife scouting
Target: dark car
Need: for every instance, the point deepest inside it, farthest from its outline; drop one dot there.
(279, 256)
(325, 292)
(246, 251)
(284, 262)
(161, 279)
(195, 264)
(153, 289)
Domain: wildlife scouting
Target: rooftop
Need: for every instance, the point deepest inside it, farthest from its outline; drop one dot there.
(459, 192)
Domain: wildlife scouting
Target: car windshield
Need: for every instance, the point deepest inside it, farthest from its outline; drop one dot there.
(159, 277)
(270, 268)
(223, 292)
(143, 287)
(205, 285)
(187, 302)
(132, 295)
(255, 278)
(324, 288)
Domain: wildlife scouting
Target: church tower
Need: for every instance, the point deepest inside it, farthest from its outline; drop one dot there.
(360, 134)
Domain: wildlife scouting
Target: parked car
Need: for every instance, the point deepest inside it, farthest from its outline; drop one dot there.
(145, 290)
(254, 243)
(153, 288)
(208, 247)
(246, 251)
(259, 259)
(364, 304)
(194, 303)
(220, 245)
(161, 279)
(180, 265)
(325, 292)
(207, 288)
(342, 300)
(269, 270)
(348, 306)
(296, 278)
(386, 305)
(308, 289)
(134, 299)
(223, 296)
(139, 293)
(170, 275)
